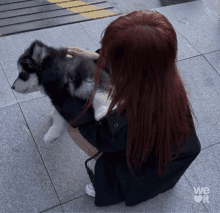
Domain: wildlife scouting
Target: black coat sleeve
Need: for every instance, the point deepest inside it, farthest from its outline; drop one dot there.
(107, 135)
(72, 108)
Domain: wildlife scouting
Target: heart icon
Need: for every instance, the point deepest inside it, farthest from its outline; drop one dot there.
(198, 198)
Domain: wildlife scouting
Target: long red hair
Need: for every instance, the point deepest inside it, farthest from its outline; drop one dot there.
(140, 49)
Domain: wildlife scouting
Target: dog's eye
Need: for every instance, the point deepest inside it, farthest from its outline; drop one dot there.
(23, 76)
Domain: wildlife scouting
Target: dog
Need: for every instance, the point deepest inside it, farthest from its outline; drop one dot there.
(57, 75)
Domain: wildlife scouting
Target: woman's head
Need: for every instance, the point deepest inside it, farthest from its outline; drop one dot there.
(140, 50)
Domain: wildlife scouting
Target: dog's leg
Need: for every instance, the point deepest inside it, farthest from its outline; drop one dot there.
(56, 130)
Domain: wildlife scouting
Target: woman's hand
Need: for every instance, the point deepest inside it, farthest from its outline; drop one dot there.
(84, 53)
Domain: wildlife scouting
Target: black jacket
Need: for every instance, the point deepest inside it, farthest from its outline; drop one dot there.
(113, 180)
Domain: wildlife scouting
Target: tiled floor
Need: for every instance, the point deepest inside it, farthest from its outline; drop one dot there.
(25, 16)
(39, 178)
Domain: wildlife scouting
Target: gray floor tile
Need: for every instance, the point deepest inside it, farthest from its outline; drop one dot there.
(13, 46)
(7, 97)
(24, 182)
(214, 59)
(69, 35)
(122, 5)
(205, 173)
(143, 4)
(95, 28)
(213, 7)
(63, 158)
(8, 49)
(199, 78)
(195, 22)
(57, 209)
(185, 49)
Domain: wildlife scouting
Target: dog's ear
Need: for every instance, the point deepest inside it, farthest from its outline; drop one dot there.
(39, 51)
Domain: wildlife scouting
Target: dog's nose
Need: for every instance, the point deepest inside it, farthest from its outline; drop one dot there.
(13, 87)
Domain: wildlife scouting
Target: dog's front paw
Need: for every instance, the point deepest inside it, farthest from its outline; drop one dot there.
(51, 135)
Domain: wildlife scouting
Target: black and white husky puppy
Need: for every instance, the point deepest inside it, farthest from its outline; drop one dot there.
(52, 72)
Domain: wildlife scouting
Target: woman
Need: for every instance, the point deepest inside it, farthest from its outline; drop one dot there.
(149, 140)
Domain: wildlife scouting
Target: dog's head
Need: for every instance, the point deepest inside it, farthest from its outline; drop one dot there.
(29, 64)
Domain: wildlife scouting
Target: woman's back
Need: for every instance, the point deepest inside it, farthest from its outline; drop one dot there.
(157, 136)
(140, 50)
